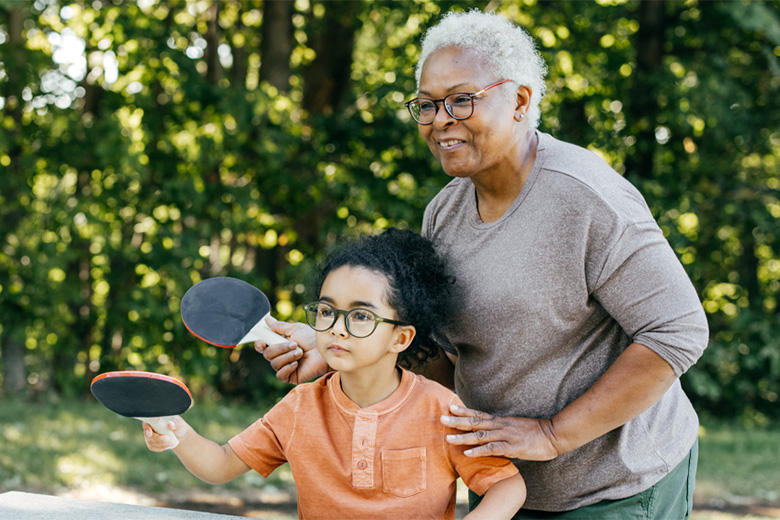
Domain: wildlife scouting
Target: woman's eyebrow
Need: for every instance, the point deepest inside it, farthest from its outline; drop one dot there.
(459, 85)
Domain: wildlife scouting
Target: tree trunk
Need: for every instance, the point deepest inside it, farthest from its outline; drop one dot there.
(14, 373)
(214, 70)
(239, 68)
(326, 79)
(276, 44)
(12, 350)
(642, 100)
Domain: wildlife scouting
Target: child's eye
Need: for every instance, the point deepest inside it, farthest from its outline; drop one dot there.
(361, 316)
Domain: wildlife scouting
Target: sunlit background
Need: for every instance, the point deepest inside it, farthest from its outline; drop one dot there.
(148, 145)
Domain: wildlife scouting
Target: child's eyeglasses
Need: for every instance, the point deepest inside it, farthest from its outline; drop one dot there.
(360, 323)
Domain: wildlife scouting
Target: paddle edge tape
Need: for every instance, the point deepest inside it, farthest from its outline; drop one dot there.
(210, 281)
(137, 373)
(204, 339)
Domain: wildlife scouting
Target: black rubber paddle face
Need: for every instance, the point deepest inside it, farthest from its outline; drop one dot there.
(222, 310)
(141, 394)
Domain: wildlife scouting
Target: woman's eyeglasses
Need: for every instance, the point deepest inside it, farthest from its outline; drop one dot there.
(459, 105)
(360, 323)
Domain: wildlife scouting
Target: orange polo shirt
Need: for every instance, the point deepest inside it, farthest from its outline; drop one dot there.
(390, 460)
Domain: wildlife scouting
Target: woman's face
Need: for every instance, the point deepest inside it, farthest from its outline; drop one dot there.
(486, 140)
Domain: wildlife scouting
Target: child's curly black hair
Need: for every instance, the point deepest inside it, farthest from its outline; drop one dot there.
(418, 280)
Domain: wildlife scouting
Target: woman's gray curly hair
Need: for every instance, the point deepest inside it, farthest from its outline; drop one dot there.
(508, 51)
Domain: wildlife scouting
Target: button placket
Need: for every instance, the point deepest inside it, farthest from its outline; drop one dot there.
(363, 441)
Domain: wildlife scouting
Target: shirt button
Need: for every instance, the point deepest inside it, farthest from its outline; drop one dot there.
(361, 464)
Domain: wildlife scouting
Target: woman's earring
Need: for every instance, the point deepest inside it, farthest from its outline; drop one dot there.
(520, 117)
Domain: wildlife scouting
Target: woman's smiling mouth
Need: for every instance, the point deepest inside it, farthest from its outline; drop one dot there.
(449, 144)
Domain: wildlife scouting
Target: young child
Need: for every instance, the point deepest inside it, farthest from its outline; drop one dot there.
(365, 441)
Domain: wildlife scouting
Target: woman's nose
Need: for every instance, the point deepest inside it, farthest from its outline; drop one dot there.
(443, 119)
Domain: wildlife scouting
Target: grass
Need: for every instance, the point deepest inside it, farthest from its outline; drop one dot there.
(78, 448)
(52, 447)
(738, 466)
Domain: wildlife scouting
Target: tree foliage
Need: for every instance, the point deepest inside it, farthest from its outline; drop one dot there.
(148, 145)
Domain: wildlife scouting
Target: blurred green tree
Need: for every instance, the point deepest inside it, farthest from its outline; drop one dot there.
(148, 145)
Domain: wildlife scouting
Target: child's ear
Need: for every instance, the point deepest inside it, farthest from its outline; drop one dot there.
(404, 334)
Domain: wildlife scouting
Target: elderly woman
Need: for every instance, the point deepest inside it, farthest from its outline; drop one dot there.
(576, 318)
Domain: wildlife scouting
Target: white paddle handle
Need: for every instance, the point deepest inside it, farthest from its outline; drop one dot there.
(160, 425)
(261, 331)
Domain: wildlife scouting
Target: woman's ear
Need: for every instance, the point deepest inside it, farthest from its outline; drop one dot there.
(523, 104)
(404, 334)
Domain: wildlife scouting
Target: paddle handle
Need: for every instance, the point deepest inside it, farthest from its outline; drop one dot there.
(261, 331)
(160, 425)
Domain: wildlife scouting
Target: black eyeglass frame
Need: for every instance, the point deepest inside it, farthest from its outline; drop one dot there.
(341, 312)
(447, 107)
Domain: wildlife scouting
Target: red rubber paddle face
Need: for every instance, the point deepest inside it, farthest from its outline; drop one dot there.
(222, 310)
(141, 394)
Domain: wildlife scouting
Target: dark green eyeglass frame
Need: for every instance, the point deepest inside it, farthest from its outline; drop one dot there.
(314, 306)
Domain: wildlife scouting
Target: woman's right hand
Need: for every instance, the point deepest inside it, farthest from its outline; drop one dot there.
(296, 361)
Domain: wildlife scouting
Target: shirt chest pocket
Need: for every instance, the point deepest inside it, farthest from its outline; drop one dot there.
(403, 472)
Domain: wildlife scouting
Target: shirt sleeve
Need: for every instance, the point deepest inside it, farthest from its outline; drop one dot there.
(262, 445)
(479, 474)
(645, 288)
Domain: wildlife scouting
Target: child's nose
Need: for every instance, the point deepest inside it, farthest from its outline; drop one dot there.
(340, 327)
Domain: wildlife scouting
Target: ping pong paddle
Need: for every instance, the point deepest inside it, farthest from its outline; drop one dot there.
(149, 397)
(227, 312)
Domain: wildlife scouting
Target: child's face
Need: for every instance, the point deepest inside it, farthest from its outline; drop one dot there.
(348, 288)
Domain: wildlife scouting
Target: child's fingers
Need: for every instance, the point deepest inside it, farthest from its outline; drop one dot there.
(155, 441)
(158, 443)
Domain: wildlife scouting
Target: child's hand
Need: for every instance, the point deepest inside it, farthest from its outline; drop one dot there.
(157, 442)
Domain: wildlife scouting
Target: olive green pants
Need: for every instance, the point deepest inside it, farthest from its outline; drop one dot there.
(670, 499)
